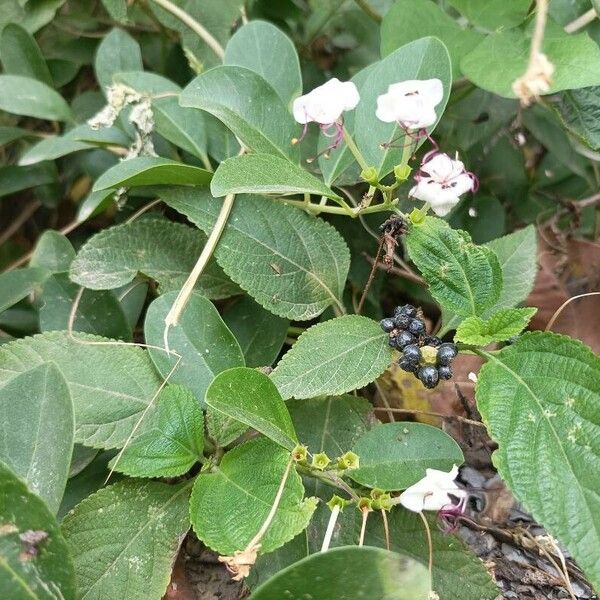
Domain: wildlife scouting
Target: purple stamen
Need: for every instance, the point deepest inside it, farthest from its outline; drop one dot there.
(337, 135)
(450, 515)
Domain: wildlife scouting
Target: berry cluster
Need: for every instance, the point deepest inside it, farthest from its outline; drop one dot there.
(426, 356)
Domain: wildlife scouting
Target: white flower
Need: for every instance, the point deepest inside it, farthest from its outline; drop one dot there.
(326, 103)
(441, 181)
(411, 103)
(431, 492)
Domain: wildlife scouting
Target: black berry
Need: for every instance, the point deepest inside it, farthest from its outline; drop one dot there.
(446, 352)
(445, 372)
(402, 321)
(432, 340)
(387, 325)
(407, 310)
(408, 365)
(403, 339)
(412, 352)
(429, 376)
(416, 326)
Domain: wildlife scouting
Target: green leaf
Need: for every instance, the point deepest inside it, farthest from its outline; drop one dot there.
(55, 147)
(98, 312)
(266, 50)
(201, 338)
(367, 572)
(394, 456)
(493, 15)
(147, 84)
(184, 127)
(117, 9)
(333, 357)
(407, 21)
(250, 397)
(501, 326)
(173, 443)
(160, 249)
(457, 572)
(124, 539)
(463, 277)
(36, 439)
(576, 58)
(94, 204)
(117, 52)
(14, 179)
(579, 111)
(247, 105)
(16, 285)
(32, 98)
(517, 254)
(265, 174)
(53, 252)
(21, 55)
(260, 333)
(221, 429)
(30, 15)
(295, 269)
(151, 170)
(426, 58)
(539, 400)
(248, 478)
(48, 573)
(111, 384)
(11, 134)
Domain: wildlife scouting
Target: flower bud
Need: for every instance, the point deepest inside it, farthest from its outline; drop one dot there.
(402, 172)
(370, 175)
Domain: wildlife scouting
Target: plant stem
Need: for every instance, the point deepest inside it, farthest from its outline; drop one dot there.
(580, 22)
(335, 511)
(369, 10)
(363, 528)
(355, 151)
(196, 27)
(430, 546)
(317, 209)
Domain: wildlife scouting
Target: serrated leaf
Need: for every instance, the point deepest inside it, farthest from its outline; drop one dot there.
(48, 574)
(174, 441)
(160, 249)
(265, 174)
(201, 339)
(248, 478)
(247, 105)
(501, 326)
(367, 572)
(266, 50)
(32, 98)
(426, 58)
(151, 170)
(579, 112)
(36, 438)
(98, 311)
(394, 456)
(111, 384)
(117, 52)
(250, 397)
(53, 252)
(260, 333)
(539, 400)
(125, 538)
(16, 285)
(291, 263)
(463, 277)
(333, 357)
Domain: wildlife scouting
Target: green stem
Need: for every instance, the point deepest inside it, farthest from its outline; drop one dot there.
(369, 10)
(355, 151)
(317, 209)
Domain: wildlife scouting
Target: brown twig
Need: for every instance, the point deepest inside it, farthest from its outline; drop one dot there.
(20, 220)
(410, 411)
(397, 271)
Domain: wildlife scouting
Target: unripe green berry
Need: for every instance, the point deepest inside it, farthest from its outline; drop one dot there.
(402, 172)
(320, 461)
(370, 175)
(349, 460)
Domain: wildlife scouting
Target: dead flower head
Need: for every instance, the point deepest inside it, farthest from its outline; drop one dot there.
(536, 80)
(240, 563)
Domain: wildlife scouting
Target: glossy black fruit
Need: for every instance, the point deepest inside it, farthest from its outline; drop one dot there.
(403, 339)
(412, 352)
(407, 310)
(445, 372)
(432, 340)
(402, 321)
(429, 376)
(408, 365)
(416, 327)
(446, 352)
(387, 325)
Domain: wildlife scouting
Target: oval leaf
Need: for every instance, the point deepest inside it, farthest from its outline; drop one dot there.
(539, 399)
(16, 285)
(295, 269)
(201, 338)
(248, 478)
(250, 397)
(393, 456)
(333, 358)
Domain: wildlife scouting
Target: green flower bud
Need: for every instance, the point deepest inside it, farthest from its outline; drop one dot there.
(370, 175)
(300, 453)
(320, 461)
(402, 172)
(349, 460)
